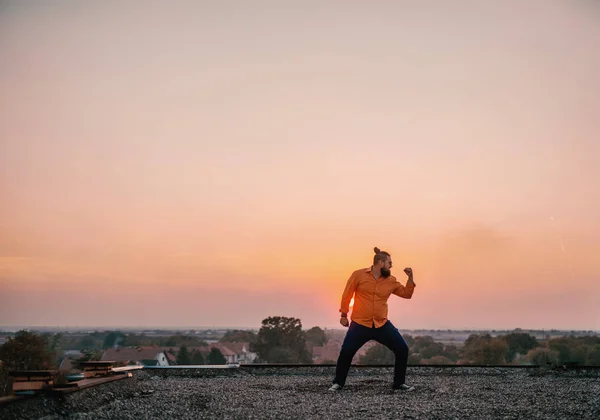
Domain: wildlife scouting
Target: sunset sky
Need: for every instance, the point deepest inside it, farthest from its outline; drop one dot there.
(190, 163)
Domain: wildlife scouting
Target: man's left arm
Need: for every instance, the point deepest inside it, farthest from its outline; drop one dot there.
(406, 292)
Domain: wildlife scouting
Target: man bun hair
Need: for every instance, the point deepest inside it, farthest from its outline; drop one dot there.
(379, 255)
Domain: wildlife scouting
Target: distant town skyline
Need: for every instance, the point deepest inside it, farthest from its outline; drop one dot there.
(216, 163)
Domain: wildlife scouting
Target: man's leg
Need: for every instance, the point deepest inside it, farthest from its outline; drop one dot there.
(356, 337)
(389, 336)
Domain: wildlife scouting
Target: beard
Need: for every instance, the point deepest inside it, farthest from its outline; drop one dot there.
(385, 273)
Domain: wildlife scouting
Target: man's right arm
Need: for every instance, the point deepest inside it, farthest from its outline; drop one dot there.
(347, 294)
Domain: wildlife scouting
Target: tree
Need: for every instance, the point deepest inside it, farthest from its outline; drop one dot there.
(215, 357)
(378, 354)
(426, 347)
(451, 353)
(26, 351)
(316, 337)
(281, 340)
(90, 355)
(566, 347)
(86, 342)
(141, 340)
(183, 356)
(57, 344)
(179, 340)
(239, 336)
(437, 360)
(593, 355)
(519, 343)
(114, 338)
(414, 358)
(542, 356)
(197, 358)
(485, 350)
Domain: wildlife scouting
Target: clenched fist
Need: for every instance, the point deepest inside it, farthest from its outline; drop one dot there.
(344, 321)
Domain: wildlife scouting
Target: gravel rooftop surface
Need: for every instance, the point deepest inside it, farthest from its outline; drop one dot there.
(301, 393)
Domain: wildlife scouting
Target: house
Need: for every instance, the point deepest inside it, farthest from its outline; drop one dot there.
(241, 352)
(234, 353)
(147, 356)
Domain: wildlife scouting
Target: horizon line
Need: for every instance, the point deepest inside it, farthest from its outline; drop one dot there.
(200, 327)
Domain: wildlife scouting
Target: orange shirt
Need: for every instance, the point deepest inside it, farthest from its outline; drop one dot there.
(370, 297)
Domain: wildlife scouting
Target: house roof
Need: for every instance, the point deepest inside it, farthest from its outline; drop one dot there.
(227, 349)
(124, 354)
(237, 348)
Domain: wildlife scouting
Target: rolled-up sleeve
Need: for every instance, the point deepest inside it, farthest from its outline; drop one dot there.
(348, 293)
(405, 292)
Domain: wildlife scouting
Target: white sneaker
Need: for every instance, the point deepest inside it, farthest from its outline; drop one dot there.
(335, 387)
(404, 387)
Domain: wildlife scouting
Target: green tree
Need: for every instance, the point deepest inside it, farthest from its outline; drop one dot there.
(568, 349)
(426, 347)
(26, 351)
(179, 340)
(519, 343)
(89, 355)
(414, 358)
(281, 340)
(134, 340)
(197, 358)
(183, 356)
(593, 355)
(239, 336)
(485, 350)
(57, 344)
(114, 338)
(215, 357)
(437, 360)
(316, 337)
(451, 353)
(86, 342)
(542, 356)
(378, 354)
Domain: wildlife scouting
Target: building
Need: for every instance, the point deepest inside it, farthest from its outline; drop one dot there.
(147, 356)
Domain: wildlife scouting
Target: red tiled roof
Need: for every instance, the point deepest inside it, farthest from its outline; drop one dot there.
(236, 348)
(227, 349)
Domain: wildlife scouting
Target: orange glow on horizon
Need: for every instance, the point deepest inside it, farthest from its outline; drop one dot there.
(213, 196)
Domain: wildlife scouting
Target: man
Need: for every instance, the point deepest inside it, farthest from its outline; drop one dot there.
(371, 288)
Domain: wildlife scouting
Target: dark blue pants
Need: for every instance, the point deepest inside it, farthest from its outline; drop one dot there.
(358, 335)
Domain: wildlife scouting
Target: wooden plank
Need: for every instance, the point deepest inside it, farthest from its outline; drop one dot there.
(67, 385)
(28, 373)
(21, 378)
(127, 368)
(95, 374)
(32, 378)
(30, 385)
(86, 383)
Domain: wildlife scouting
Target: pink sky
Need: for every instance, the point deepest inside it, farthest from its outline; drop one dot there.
(204, 164)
